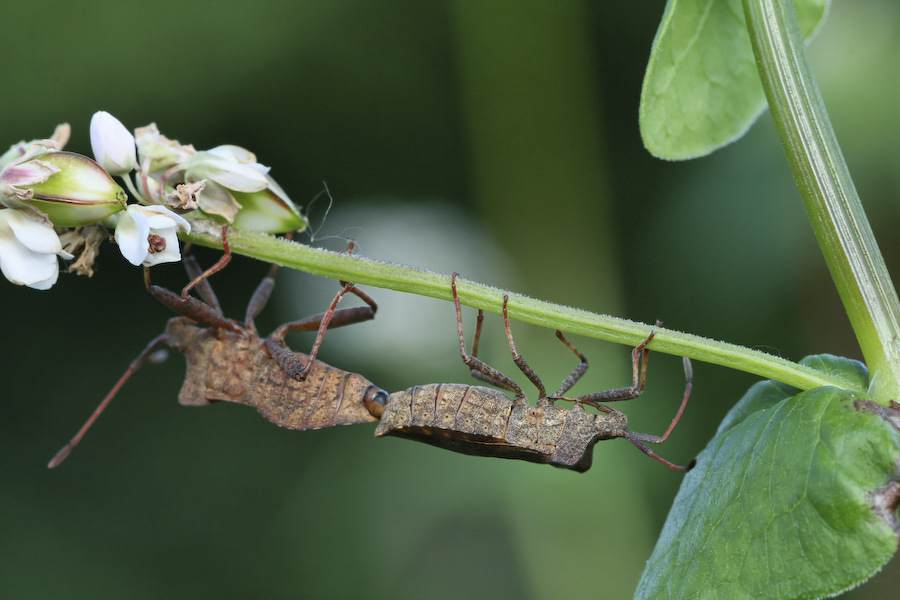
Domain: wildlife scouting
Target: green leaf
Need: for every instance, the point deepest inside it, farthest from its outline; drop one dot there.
(794, 497)
(702, 89)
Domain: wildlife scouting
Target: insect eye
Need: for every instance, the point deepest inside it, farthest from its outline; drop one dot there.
(375, 399)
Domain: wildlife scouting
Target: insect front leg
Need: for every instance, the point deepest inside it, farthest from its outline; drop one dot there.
(220, 264)
(190, 307)
(203, 288)
(631, 437)
(479, 369)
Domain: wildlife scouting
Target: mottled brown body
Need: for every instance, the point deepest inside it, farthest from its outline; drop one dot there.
(485, 422)
(228, 361)
(230, 367)
(481, 421)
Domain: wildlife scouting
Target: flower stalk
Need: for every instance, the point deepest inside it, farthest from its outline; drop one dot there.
(206, 232)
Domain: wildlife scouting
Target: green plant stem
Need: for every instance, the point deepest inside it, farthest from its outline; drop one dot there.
(426, 283)
(828, 193)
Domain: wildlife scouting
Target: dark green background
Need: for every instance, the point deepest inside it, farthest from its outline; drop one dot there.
(497, 139)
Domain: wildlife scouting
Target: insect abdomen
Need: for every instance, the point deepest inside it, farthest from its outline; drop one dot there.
(226, 367)
(484, 422)
(328, 396)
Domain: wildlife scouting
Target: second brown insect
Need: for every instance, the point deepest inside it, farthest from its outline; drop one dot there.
(485, 422)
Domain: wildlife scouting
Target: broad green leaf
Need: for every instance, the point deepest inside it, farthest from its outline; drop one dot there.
(794, 497)
(702, 90)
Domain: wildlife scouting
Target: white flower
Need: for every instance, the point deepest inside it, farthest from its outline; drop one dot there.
(28, 251)
(113, 145)
(148, 235)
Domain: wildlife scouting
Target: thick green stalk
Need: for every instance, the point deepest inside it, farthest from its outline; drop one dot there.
(426, 283)
(828, 193)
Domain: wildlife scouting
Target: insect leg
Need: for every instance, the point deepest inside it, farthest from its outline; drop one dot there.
(152, 347)
(638, 438)
(287, 360)
(220, 264)
(260, 297)
(203, 288)
(638, 378)
(479, 369)
(655, 439)
(190, 307)
(643, 448)
(262, 293)
(576, 373)
(517, 358)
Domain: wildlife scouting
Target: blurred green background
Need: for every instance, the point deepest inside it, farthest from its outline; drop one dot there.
(496, 139)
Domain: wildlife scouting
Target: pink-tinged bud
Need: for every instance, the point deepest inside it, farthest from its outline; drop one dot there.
(112, 144)
(80, 193)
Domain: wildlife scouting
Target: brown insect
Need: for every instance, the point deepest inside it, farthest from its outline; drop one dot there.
(485, 422)
(228, 361)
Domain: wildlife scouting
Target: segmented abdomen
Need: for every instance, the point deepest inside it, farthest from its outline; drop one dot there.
(229, 368)
(485, 422)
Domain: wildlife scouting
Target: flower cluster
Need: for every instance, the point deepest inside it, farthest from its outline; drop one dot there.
(56, 204)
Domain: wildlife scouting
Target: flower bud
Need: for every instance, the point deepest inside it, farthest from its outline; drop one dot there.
(78, 193)
(112, 144)
(269, 211)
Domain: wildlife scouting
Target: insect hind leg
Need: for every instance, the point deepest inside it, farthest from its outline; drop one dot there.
(478, 368)
(333, 317)
(638, 438)
(152, 347)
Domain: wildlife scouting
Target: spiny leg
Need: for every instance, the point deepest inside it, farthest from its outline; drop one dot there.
(478, 368)
(220, 264)
(190, 307)
(263, 291)
(576, 374)
(520, 362)
(288, 361)
(152, 347)
(638, 379)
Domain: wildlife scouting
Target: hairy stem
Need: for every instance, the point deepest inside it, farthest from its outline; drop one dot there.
(571, 320)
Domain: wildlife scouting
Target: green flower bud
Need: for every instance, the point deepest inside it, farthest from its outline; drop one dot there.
(269, 211)
(79, 193)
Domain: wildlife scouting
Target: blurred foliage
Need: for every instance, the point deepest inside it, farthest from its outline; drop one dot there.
(498, 140)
